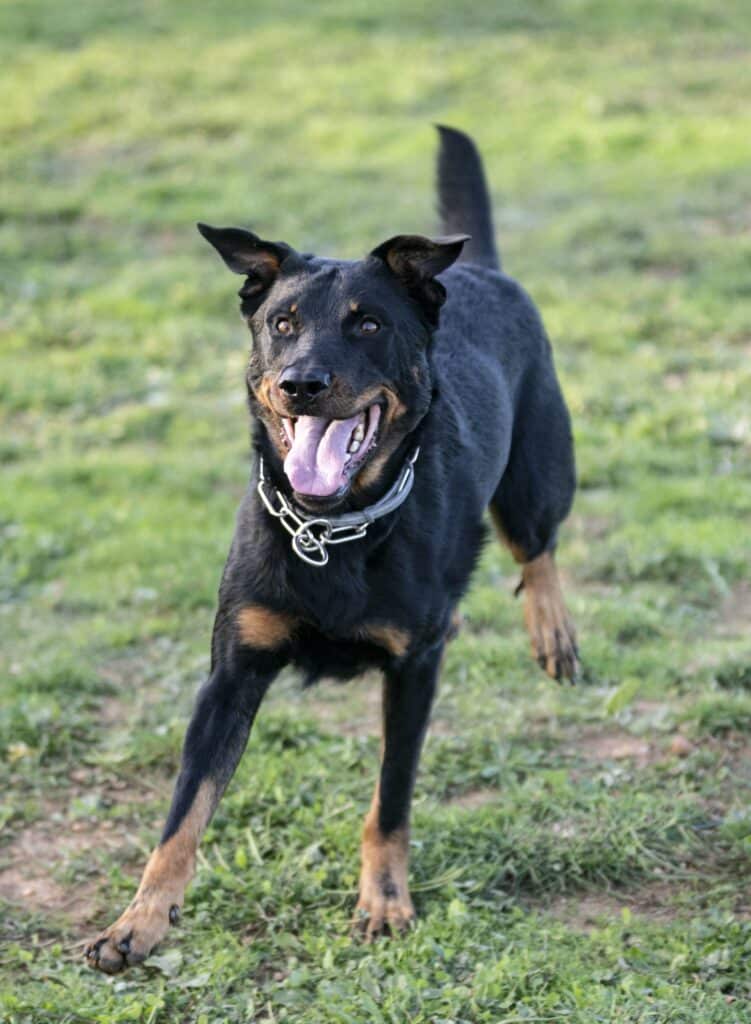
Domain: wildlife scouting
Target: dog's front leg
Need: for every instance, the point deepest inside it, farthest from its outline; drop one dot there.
(215, 740)
(408, 690)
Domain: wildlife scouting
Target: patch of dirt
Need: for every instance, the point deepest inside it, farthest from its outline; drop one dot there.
(658, 900)
(614, 745)
(113, 711)
(655, 901)
(473, 798)
(593, 527)
(674, 381)
(735, 612)
(31, 862)
(667, 271)
(597, 746)
(440, 726)
(649, 707)
(727, 224)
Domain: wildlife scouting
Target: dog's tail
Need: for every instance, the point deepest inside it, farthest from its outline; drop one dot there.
(463, 200)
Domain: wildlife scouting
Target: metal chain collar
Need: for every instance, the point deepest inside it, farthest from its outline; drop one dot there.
(311, 535)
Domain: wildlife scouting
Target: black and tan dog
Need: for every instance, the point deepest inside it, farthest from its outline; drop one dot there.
(395, 398)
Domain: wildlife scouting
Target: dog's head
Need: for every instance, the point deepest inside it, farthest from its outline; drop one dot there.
(338, 372)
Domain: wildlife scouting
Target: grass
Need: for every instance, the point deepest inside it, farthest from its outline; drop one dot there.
(579, 856)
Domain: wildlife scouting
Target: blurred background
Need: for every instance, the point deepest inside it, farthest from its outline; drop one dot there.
(578, 855)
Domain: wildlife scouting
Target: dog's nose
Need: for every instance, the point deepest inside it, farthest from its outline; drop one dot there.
(303, 384)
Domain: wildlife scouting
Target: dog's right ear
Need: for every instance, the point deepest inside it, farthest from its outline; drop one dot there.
(246, 253)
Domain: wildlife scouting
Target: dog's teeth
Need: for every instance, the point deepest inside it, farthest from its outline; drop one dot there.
(359, 433)
(347, 457)
(354, 446)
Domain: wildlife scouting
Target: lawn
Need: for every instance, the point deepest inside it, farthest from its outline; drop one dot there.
(579, 855)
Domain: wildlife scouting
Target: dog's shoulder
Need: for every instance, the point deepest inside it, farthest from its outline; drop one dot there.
(485, 303)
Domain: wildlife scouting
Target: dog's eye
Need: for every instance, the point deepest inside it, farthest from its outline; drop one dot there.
(283, 325)
(369, 326)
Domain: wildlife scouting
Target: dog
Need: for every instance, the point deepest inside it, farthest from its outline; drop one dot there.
(395, 399)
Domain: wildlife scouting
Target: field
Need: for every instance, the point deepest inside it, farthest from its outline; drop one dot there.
(579, 855)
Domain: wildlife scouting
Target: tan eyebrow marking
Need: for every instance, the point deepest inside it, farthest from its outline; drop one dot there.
(354, 305)
(293, 308)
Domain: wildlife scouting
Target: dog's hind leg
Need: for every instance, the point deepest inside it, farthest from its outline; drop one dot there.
(384, 902)
(532, 499)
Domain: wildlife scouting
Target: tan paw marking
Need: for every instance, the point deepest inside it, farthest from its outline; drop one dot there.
(133, 936)
(551, 630)
(384, 904)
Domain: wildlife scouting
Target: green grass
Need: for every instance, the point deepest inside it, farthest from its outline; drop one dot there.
(578, 855)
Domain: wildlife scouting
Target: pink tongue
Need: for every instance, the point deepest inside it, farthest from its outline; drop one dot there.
(315, 463)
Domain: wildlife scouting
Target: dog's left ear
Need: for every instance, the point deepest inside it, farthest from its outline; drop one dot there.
(416, 261)
(246, 253)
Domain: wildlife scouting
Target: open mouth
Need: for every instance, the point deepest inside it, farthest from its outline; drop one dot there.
(323, 455)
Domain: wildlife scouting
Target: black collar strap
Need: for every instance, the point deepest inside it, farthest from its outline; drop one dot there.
(311, 535)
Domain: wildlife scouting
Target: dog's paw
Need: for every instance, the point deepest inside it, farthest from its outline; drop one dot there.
(553, 639)
(551, 631)
(378, 913)
(132, 937)
(384, 906)
(554, 647)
